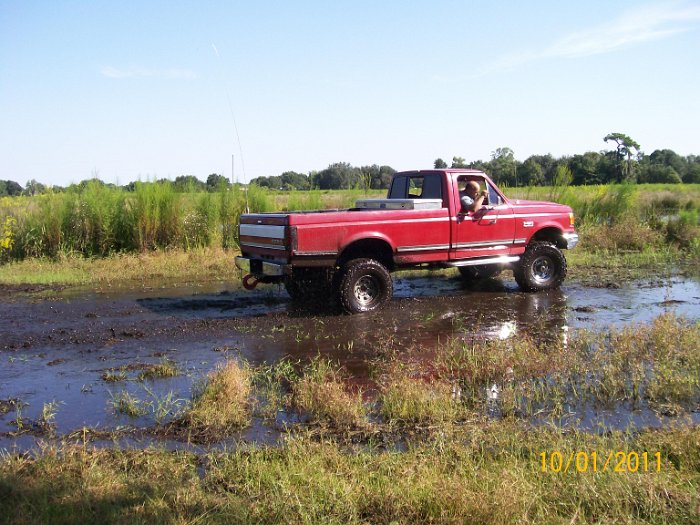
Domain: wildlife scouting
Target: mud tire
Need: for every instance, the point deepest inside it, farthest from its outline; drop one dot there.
(483, 271)
(364, 285)
(542, 267)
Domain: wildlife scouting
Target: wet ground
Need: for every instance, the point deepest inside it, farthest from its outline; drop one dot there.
(59, 347)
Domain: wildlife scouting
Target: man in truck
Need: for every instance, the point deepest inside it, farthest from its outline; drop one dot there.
(472, 197)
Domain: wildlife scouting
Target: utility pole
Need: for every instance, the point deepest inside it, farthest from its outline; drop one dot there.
(233, 170)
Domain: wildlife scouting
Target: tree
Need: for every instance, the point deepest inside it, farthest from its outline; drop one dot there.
(531, 173)
(667, 157)
(215, 181)
(340, 175)
(291, 180)
(692, 174)
(34, 188)
(12, 188)
(658, 173)
(439, 164)
(458, 162)
(625, 145)
(188, 183)
(376, 177)
(584, 168)
(503, 166)
(548, 164)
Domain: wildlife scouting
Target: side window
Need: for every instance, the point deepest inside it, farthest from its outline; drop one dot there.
(398, 188)
(432, 187)
(416, 187)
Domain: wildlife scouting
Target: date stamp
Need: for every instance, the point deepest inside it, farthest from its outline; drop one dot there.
(591, 461)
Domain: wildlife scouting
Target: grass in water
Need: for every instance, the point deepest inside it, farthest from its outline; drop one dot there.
(166, 368)
(322, 394)
(410, 399)
(222, 403)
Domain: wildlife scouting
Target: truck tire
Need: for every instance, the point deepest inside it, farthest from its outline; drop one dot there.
(364, 285)
(308, 284)
(482, 271)
(542, 267)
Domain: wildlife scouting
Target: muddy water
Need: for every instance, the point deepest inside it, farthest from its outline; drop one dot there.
(55, 347)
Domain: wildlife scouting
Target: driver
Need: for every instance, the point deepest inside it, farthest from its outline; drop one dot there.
(472, 197)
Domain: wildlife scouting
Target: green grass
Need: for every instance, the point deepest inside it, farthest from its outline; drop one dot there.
(488, 473)
(222, 402)
(321, 393)
(172, 266)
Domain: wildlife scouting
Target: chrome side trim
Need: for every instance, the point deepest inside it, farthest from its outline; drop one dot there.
(423, 248)
(315, 254)
(482, 244)
(504, 259)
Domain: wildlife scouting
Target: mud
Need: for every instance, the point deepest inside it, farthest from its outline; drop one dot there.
(57, 347)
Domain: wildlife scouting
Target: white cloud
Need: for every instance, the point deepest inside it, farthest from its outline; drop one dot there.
(139, 72)
(632, 27)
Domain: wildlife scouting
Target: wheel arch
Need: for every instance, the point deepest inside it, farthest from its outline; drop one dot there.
(551, 234)
(371, 248)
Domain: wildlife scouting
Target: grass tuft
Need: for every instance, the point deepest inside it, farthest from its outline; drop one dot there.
(222, 402)
(419, 401)
(322, 394)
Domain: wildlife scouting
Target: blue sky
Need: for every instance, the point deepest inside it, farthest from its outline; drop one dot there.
(130, 90)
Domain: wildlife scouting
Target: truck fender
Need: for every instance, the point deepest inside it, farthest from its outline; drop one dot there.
(373, 245)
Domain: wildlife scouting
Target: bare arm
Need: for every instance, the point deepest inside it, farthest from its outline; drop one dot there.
(475, 204)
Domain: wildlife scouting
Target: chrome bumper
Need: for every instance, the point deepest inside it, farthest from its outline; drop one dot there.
(571, 240)
(261, 268)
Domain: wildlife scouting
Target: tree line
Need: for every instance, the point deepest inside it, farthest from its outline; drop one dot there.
(624, 163)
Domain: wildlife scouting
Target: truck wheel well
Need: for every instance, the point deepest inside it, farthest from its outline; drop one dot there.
(368, 248)
(553, 235)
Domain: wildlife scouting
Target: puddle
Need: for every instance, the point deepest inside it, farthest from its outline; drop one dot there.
(57, 348)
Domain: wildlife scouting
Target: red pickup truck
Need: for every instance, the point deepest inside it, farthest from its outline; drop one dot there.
(350, 254)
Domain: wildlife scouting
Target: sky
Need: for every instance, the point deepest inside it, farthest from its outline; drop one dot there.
(135, 90)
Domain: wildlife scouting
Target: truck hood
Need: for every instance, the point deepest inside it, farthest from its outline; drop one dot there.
(539, 204)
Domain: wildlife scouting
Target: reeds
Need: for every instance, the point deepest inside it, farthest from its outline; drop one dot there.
(99, 220)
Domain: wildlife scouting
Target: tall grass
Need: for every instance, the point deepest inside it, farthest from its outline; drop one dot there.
(98, 220)
(628, 217)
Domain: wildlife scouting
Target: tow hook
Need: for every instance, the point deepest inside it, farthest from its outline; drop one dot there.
(250, 282)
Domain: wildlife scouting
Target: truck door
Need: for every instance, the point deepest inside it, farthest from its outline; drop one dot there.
(489, 232)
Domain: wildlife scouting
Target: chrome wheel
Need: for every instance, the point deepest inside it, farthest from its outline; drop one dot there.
(542, 269)
(366, 290)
